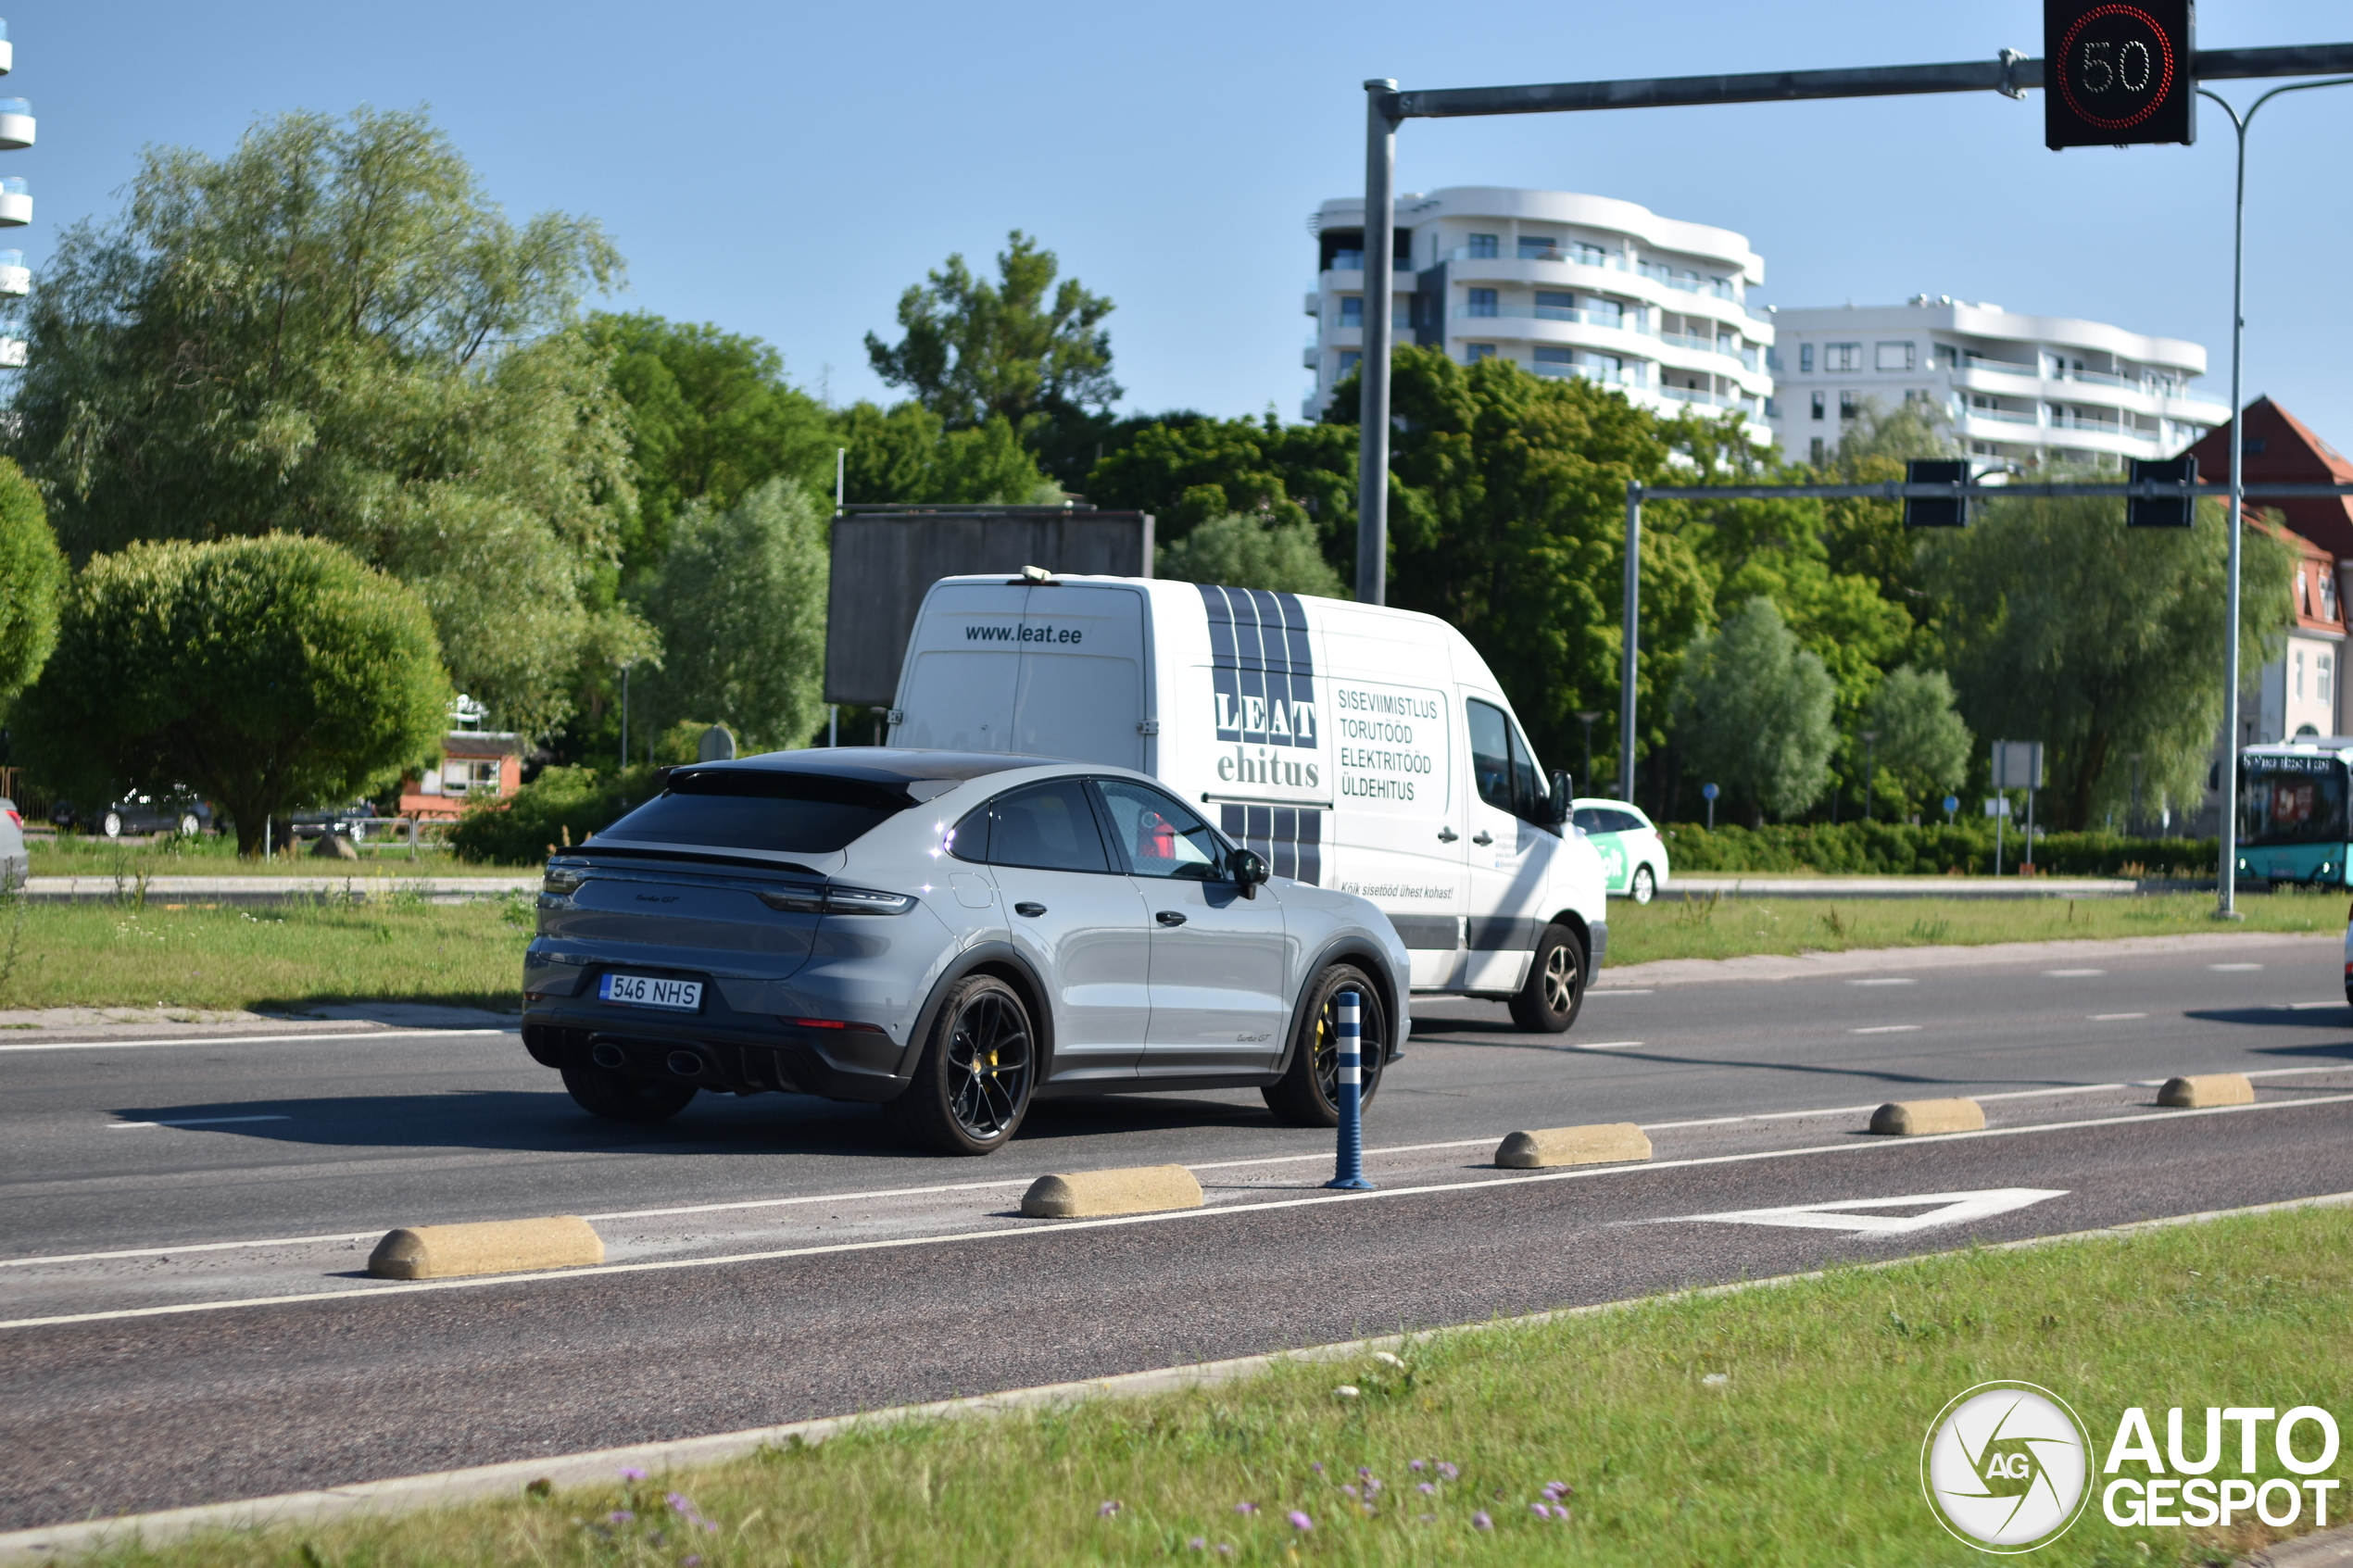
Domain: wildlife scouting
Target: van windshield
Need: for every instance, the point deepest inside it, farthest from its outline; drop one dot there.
(756, 808)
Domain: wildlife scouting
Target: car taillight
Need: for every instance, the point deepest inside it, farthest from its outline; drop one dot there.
(16, 816)
(837, 1024)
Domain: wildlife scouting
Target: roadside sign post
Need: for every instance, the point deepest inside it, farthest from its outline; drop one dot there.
(1708, 793)
(1349, 1176)
(1951, 803)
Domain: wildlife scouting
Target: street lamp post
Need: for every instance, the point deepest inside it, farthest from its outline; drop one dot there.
(1870, 739)
(624, 713)
(2226, 873)
(1586, 718)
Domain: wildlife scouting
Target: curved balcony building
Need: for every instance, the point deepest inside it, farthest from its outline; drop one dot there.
(16, 203)
(15, 124)
(2016, 388)
(8, 50)
(1561, 284)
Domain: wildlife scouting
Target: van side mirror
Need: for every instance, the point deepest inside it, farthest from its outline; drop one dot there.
(1250, 870)
(1562, 795)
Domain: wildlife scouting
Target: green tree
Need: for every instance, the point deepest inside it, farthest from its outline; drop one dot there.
(2062, 626)
(1242, 552)
(1022, 349)
(1867, 539)
(1507, 508)
(1752, 712)
(906, 453)
(263, 673)
(1923, 748)
(332, 332)
(711, 416)
(1186, 469)
(740, 603)
(32, 574)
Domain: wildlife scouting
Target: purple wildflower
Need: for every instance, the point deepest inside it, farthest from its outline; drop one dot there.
(1372, 1487)
(1245, 1508)
(1414, 1466)
(1447, 1470)
(1364, 1469)
(1557, 1489)
(1539, 1510)
(1198, 1544)
(1427, 1489)
(631, 1473)
(1350, 1490)
(691, 1563)
(1107, 1510)
(1318, 1467)
(1300, 1521)
(678, 1503)
(620, 1516)
(1480, 1522)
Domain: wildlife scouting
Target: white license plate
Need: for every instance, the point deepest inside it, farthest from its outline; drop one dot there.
(647, 991)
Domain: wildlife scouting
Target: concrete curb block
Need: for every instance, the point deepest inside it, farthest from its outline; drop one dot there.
(1598, 1144)
(2322, 1548)
(496, 1247)
(408, 1494)
(1143, 1189)
(1915, 1118)
(2200, 1090)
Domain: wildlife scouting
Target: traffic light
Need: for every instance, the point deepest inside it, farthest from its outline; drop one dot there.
(2168, 511)
(1938, 513)
(2117, 72)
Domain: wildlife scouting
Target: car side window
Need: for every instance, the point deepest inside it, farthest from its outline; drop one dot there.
(1528, 788)
(1491, 746)
(968, 840)
(1626, 822)
(1593, 819)
(1158, 835)
(1049, 826)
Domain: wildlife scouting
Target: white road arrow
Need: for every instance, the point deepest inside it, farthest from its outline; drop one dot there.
(1953, 1209)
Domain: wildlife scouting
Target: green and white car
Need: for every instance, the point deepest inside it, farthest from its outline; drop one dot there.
(1633, 856)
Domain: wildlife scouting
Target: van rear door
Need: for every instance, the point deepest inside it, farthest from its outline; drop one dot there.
(1046, 670)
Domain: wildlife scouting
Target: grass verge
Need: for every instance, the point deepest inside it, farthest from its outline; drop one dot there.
(1777, 1427)
(1692, 927)
(72, 855)
(282, 956)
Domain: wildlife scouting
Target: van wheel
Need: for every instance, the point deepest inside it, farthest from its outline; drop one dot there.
(1548, 1002)
(602, 1092)
(1644, 887)
(972, 1087)
(1308, 1093)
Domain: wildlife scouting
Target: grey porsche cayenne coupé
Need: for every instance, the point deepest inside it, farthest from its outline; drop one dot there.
(950, 935)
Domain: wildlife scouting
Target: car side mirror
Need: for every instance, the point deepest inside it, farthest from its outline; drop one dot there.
(1249, 871)
(1562, 795)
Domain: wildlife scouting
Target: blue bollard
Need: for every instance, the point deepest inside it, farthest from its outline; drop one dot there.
(1350, 1176)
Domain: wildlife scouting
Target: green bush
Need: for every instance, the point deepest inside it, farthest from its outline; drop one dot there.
(1855, 848)
(561, 807)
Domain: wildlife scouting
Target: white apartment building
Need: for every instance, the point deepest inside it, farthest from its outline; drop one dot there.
(1560, 284)
(2024, 389)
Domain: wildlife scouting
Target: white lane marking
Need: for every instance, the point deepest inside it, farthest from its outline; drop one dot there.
(1602, 1045)
(1953, 1209)
(1882, 982)
(1886, 1029)
(360, 1033)
(2234, 966)
(1618, 991)
(1487, 1142)
(195, 1122)
(2071, 973)
(2114, 1017)
(1008, 1233)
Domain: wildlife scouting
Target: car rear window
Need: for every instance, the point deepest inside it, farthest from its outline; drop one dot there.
(755, 809)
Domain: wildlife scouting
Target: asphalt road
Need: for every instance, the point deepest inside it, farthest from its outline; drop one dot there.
(774, 1258)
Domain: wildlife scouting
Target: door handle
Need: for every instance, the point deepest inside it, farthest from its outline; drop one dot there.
(1447, 835)
(1484, 838)
(1029, 908)
(1170, 917)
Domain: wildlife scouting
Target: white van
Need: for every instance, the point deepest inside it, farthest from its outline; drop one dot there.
(1352, 746)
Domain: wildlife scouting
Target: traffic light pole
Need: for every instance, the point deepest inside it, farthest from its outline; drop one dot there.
(1387, 107)
(2226, 873)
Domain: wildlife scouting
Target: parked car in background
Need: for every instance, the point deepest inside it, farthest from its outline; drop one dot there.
(174, 812)
(1633, 855)
(16, 860)
(355, 822)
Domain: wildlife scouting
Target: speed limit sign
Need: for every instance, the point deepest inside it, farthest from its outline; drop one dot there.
(2117, 72)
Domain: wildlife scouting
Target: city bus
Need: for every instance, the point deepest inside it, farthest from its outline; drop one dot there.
(2292, 812)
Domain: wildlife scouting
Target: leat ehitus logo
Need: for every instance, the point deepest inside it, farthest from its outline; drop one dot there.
(2006, 1467)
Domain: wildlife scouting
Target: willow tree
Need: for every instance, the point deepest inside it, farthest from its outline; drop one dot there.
(334, 332)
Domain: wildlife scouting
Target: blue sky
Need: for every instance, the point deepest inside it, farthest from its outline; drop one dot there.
(786, 171)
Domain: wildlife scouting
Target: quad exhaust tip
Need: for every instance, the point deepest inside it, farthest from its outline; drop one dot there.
(604, 1053)
(686, 1064)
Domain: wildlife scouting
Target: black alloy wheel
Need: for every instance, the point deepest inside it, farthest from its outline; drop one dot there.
(1308, 1093)
(1548, 1002)
(600, 1091)
(973, 1086)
